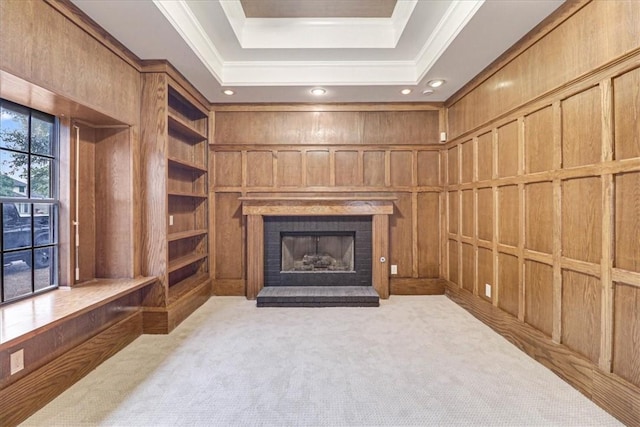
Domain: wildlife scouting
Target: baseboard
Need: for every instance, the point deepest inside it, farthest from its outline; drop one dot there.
(23, 398)
(162, 320)
(229, 287)
(413, 286)
(615, 395)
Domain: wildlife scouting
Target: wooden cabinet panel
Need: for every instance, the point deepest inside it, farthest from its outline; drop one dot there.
(428, 168)
(626, 348)
(508, 150)
(485, 156)
(467, 161)
(468, 267)
(582, 219)
(228, 236)
(467, 214)
(626, 95)
(289, 168)
(228, 168)
(453, 262)
(485, 214)
(453, 211)
(453, 161)
(627, 221)
(428, 235)
(581, 299)
(508, 283)
(259, 168)
(538, 284)
(401, 168)
(539, 217)
(401, 240)
(485, 271)
(374, 169)
(538, 141)
(348, 171)
(582, 129)
(318, 173)
(508, 220)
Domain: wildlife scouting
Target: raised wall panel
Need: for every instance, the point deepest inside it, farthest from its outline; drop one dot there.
(581, 299)
(428, 168)
(374, 168)
(627, 221)
(626, 347)
(228, 238)
(508, 150)
(228, 168)
(485, 214)
(401, 232)
(401, 169)
(485, 156)
(467, 213)
(508, 221)
(538, 285)
(538, 141)
(539, 217)
(259, 168)
(453, 165)
(318, 172)
(582, 219)
(347, 170)
(400, 127)
(467, 161)
(453, 211)
(626, 95)
(289, 168)
(453, 262)
(468, 267)
(429, 235)
(508, 283)
(485, 272)
(582, 129)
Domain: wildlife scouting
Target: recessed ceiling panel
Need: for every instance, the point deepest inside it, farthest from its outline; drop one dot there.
(318, 8)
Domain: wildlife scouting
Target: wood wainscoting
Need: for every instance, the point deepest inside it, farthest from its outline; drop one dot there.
(255, 208)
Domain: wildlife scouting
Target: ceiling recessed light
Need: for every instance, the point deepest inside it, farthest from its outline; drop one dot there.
(435, 83)
(318, 91)
(405, 91)
(427, 92)
(228, 92)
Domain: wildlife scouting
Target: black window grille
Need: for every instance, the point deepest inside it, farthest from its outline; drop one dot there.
(29, 201)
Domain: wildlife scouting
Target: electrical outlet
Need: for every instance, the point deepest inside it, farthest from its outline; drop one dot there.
(170, 219)
(17, 361)
(394, 269)
(487, 290)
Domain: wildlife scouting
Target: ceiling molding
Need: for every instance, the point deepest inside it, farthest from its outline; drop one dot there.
(317, 33)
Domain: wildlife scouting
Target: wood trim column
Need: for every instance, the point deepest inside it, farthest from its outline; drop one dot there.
(255, 247)
(380, 241)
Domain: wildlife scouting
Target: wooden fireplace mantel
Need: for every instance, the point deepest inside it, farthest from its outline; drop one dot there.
(256, 208)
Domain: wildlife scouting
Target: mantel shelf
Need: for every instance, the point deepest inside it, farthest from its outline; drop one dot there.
(284, 206)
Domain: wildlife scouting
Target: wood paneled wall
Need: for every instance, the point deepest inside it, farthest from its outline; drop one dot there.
(544, 201)
(341, 153)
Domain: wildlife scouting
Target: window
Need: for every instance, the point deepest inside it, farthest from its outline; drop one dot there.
(28, 196)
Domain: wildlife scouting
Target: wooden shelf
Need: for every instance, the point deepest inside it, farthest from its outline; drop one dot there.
(182, 288)
(186, 194)
(174, 161)
(172, 237)
(184, 128)
(184, 261)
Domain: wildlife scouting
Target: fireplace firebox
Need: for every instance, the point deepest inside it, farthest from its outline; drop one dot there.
(317, 251)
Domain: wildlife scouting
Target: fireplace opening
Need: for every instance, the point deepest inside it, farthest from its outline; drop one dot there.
(317, 252)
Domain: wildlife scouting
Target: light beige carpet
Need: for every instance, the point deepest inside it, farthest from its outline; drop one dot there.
(413, 361)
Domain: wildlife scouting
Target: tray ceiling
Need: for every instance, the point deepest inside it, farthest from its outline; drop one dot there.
(358, 50)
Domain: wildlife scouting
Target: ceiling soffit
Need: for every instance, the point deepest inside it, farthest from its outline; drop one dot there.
(318, 8)
(286, 34)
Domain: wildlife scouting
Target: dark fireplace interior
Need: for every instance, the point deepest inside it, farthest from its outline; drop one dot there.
(317, 251)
